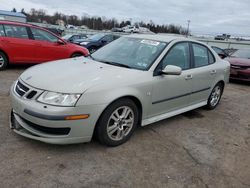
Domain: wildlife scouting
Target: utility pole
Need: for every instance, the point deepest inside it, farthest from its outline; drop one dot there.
(188, 27)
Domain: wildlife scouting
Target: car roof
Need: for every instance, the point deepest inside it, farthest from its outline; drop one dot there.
(15, 23)
(159, 37)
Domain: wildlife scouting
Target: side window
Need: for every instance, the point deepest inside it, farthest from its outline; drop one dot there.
(200, 55)
(16, 31)
(2, 33)
(108, 38)
(211, 57)
(179, 56)
(43, 35)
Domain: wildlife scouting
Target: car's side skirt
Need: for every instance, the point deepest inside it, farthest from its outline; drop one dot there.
(172, 113)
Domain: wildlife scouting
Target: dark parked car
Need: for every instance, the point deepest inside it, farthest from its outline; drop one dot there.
(74, 37)
(97, 41)
(222, 53)
(24, 43)
(240, 65)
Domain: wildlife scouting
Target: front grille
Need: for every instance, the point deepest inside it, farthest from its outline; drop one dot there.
(47, 130)
(25, 91)
(21, 89)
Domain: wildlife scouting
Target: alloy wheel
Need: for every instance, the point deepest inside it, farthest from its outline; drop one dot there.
(215, 96)
(120, 123)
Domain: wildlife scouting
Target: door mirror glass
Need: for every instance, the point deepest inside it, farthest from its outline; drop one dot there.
(172, 70)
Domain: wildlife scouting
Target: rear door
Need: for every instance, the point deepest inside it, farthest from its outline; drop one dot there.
(47, 46)
(204, 72)
(17, 44)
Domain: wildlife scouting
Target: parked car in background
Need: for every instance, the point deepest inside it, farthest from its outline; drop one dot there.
(220, 52)
(74, 37)
(71, 27)
(240, 65)
(134, 81)
(131, 29)
(29, 44)
(97, 41)
(116, 29)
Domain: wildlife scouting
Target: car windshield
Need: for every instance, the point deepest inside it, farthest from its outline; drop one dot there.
(96, 36)
(242, 53)
(130, 52)
(66, 37)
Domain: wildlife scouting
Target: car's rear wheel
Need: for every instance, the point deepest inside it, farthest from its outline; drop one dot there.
(215, 96)
(76, 55)
(117, 123)
(3, 61)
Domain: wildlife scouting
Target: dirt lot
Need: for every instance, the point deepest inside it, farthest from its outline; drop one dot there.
(197, 149)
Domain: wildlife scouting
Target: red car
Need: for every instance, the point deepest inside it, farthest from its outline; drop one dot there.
(240, 65)
(29, 44)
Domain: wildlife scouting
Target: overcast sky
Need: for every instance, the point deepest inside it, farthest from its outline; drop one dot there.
(207, 16)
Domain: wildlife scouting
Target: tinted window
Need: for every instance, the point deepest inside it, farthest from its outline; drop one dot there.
(200, 55)
(1, 31)
(16, 31)
(43, 35)
(108, 38)
(179, 56)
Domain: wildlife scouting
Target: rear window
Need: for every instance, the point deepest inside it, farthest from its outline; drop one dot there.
(16, 31)
(2, 33)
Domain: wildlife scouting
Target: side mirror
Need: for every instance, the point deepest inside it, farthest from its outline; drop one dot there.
(60, 42)
(171, 70)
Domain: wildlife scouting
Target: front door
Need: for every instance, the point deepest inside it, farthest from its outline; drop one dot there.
(47, 46)
(172, 92)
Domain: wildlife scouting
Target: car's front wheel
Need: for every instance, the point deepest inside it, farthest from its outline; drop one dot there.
(117, 123)
(215, 96)
(3, 61)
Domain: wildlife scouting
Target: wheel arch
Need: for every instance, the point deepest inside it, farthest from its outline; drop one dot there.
(5, 55)
(131, 97)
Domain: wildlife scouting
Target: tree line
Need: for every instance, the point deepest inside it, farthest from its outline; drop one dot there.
(97, 23)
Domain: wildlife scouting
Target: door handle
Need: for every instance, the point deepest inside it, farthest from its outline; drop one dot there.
(188, 77)
(213, 72)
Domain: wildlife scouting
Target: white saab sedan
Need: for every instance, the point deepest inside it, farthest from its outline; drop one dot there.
(134, 81)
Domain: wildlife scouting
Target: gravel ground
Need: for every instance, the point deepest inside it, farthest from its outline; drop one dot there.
(194, 150)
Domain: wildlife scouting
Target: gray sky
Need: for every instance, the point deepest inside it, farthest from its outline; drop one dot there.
(207, 16)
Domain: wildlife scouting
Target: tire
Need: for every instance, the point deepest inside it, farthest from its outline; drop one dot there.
(3, 61)
(112, 129)
(76, 55)
(215, 96)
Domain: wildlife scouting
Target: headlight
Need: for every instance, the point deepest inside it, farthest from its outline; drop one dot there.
(58, 99)
(84, 43)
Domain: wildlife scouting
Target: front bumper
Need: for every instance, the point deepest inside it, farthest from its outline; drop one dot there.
(49, 130)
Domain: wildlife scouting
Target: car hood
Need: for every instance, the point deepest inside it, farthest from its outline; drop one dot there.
(75, 75)
(238, 61)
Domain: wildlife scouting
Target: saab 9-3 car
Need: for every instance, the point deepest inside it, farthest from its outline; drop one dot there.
(134, 81)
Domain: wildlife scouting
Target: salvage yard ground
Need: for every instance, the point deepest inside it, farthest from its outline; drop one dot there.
(197, 149)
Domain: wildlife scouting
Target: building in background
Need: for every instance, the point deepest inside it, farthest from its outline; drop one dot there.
(12, 16)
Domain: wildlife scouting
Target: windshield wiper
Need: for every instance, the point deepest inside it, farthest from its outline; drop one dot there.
(116, 64)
